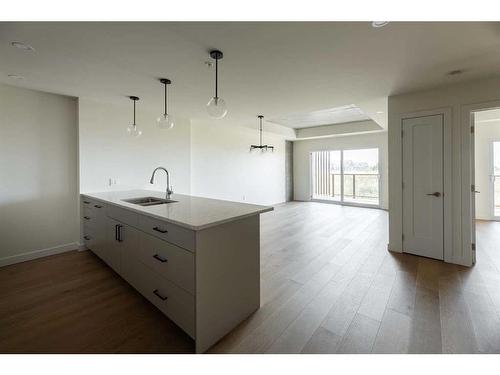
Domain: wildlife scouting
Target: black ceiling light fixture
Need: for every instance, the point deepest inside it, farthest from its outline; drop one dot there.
(132, 129)
(261, 147)
(216, 107)
(165, 121)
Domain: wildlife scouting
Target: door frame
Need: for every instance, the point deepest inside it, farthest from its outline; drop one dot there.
(396, 244)
(491, 184)
(468, 162)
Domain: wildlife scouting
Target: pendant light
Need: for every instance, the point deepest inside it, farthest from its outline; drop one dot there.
(165, 121)
(216, 107)
(132, 129)
(261, 146)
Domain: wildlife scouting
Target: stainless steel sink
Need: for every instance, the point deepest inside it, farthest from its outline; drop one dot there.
(148, 201)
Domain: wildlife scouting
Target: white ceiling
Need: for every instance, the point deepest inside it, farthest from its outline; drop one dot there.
(331, 116)
(275, 69)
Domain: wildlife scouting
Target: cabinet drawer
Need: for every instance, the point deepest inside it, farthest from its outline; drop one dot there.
(170, 261)
(124, 216)
(175, 234)
(87, 203)
(89, 229)
(87, 217)
(89, 239)
(91, 207)
(87, 211)
(174, 302)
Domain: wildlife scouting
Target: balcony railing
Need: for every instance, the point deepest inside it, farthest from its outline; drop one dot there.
(362, 187)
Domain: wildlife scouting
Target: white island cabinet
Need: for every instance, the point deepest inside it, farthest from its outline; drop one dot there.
(196, 259)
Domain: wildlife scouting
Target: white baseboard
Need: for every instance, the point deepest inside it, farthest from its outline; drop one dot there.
(38, 254)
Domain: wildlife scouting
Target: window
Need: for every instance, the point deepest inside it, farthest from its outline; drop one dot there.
(346, 176)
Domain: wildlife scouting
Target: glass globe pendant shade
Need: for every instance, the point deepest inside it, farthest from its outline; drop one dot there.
(133, 130)
(165, 121)
(216, 108)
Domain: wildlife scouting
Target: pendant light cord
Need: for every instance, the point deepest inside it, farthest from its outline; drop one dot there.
(134, 113)
(260, 131)
(165, 114)
(216, 77)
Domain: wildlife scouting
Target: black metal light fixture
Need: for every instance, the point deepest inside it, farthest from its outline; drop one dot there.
(132, 129)
(216, 107)
(165, 121)
(261, 146)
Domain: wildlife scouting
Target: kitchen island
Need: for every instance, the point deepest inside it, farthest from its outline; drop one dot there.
(196, 259)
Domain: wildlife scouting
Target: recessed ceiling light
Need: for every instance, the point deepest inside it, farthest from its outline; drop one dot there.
(23, 46)
(15, 76)
(378, 24)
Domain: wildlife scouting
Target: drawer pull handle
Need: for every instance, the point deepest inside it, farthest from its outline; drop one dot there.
(86, 218)
(97, 206)
(86, 202)
(86, 238)
(160, 230)
(160, 258)
(157, 294)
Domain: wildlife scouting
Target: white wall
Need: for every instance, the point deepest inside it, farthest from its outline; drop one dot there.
(38, 174)
(107, 151)
(484, 136)
(451, 101)
(301, 164)
(222, 166)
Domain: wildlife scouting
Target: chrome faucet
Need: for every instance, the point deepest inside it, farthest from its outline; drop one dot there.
(169, 188)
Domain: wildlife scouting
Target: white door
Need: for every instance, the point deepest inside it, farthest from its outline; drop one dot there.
(423, 186)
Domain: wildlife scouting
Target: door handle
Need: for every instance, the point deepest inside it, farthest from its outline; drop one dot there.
(475, 191)
(436, 194)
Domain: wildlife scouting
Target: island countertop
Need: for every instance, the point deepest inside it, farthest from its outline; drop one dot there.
(195, 213)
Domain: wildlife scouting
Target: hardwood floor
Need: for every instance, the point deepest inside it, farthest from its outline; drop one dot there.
(74, 303)
(329, 285)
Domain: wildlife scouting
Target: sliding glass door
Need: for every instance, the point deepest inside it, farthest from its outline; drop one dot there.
(346, 176)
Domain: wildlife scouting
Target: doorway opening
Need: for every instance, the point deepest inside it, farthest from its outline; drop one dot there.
(486, 178)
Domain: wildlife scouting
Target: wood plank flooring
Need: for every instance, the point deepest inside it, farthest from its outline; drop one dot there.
(329, 285)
